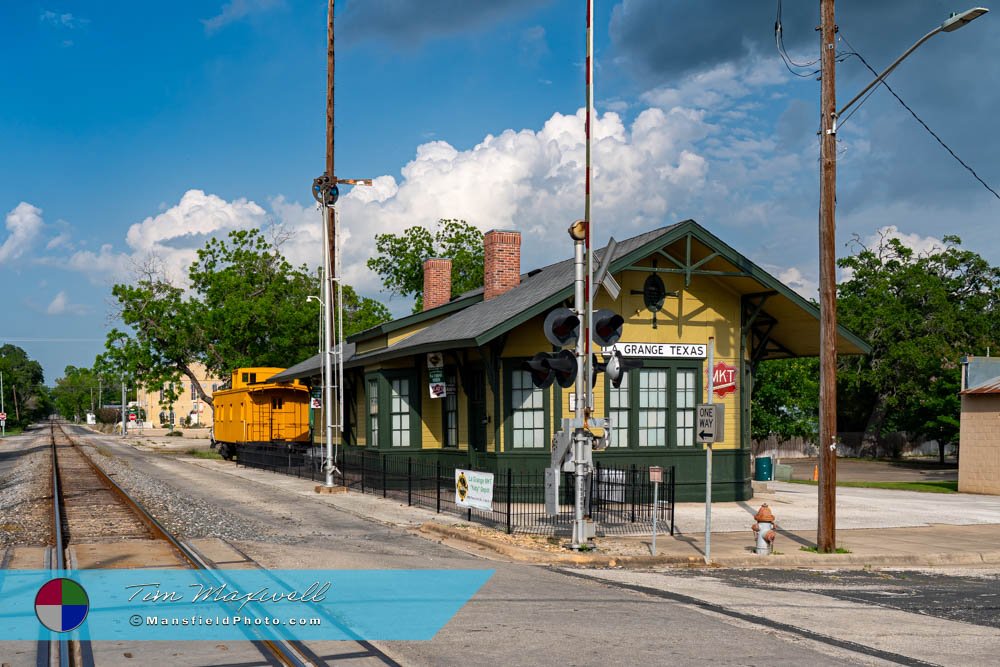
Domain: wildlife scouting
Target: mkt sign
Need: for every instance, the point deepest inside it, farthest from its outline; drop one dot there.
(723, 379)
(474, 489)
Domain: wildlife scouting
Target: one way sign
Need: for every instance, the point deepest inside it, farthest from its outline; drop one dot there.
(710, 422)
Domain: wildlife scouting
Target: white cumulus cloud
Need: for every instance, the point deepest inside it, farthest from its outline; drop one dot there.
(172, 237)
(645, 174)
(61, 305)
(24, 224)
(236, 10)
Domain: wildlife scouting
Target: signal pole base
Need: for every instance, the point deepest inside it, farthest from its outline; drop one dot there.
(330, 490)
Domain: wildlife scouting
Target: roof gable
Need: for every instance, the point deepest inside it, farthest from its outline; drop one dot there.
(701, 253)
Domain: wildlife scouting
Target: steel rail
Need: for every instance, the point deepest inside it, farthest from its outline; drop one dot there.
(62, 644)
(278, 649)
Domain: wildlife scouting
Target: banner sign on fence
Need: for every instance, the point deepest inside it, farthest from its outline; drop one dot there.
(474, 489)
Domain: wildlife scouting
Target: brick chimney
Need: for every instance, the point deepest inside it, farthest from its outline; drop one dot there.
(502, 262)
(437, 282)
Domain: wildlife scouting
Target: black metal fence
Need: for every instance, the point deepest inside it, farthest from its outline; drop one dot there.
(620, 500)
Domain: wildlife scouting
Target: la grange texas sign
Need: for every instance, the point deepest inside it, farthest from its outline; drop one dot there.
(723, 375)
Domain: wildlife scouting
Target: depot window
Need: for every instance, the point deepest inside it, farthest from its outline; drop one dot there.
(525, 426)
(654, 407)
(393, 414)
(450, 412)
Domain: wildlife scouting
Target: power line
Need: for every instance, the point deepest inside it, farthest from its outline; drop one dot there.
(912, 113)
(779, 41)
(51, 340)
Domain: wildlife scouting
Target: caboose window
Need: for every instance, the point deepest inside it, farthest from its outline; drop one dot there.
(246, 376)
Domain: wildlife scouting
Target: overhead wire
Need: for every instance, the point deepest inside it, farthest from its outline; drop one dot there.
(779, 42)
(854, 52)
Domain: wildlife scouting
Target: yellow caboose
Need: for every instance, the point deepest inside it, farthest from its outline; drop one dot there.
(253, 410)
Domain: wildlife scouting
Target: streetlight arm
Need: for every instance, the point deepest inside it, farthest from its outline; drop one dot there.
(953, 23)
(881, 77)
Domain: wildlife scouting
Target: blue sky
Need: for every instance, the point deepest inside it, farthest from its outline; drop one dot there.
(127, 133)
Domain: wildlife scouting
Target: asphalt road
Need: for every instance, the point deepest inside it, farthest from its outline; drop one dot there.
(951, 595)
(531, 615)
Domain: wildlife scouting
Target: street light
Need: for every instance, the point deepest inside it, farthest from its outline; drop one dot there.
(313, 297)
(955, 22)
(826, 530)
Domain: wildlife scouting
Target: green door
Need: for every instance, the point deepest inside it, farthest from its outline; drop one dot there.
(475, 389)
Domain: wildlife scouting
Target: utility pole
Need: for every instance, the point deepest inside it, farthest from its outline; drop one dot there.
(826, 537)
(123, 406)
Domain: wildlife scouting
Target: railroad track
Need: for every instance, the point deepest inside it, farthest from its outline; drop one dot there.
(96, 521)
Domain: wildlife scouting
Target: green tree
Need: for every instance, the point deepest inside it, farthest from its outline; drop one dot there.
(25, 398)
(399, 258)
(362, 312)
(75, 392)
(921, 312)
(786, 399)
(246, 305)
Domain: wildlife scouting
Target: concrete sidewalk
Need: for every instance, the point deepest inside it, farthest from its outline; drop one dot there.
(877, 527)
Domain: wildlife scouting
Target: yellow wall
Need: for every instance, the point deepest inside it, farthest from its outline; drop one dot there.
(705, 308)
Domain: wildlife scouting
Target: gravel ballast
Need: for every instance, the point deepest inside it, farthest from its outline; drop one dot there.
(186, 517)
(26, 494)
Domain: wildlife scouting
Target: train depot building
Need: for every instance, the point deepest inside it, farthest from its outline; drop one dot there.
(449, 383)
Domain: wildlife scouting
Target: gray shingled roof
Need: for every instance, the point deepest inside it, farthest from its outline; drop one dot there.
(311, 367)
(472, 326)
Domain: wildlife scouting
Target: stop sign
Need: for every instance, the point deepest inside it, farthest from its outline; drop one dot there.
(131, 417)
(3, 416)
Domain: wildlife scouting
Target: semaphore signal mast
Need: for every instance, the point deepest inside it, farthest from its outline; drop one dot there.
(326, 193)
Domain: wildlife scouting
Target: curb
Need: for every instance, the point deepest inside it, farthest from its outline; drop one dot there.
(597, 560)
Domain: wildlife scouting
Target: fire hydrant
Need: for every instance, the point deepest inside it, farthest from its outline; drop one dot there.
(763, 530)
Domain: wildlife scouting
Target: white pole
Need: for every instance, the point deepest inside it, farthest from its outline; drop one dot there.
(123, 406)
(339, 314)
(3, 426)
(582, 384)
(582, 305)
(708, 456)
(327, 344)
(656, 504)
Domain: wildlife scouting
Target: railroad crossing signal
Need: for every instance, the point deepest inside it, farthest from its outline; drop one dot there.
(709, 423)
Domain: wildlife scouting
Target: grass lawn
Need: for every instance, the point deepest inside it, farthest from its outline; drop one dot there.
(203, 454)
(927, 487)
